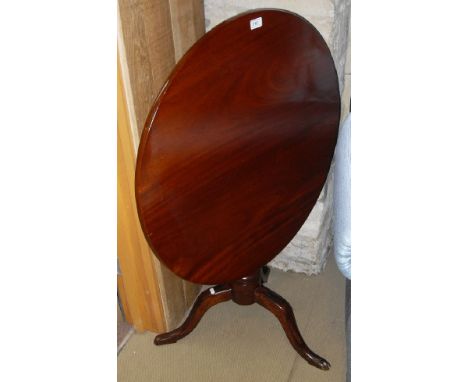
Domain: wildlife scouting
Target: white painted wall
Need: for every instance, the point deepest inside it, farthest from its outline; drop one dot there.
(307, 252)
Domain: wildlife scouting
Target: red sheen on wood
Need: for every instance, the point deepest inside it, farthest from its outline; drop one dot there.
(233, 157)
(247, 291)
(237, 146)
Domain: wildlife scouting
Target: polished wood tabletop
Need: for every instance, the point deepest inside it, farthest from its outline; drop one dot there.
(237, 146)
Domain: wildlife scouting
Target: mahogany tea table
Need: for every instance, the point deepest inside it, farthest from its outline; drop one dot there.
(233, 156)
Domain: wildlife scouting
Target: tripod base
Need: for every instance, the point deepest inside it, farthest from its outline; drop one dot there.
(247, 291)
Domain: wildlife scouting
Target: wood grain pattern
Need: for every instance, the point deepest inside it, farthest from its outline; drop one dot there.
(150, 32)
(123, 299)
(188, 24)
(147, 36)
(138, 284)
(237, 147)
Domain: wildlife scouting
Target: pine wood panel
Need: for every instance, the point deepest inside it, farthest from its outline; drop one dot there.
(149, 51)
(123, 298)
(153, 35)
(188, 24)
(138, 286)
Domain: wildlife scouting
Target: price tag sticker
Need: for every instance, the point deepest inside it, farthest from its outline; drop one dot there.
(256, 23)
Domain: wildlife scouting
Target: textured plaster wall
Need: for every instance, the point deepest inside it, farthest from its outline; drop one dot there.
(307, 252)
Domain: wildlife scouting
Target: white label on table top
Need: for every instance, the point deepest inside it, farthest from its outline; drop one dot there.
(256, 23)
(212, 291)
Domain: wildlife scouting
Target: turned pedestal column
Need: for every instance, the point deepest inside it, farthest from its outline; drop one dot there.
(233, 156)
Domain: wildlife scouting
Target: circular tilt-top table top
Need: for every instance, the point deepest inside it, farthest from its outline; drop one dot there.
(237, 146)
